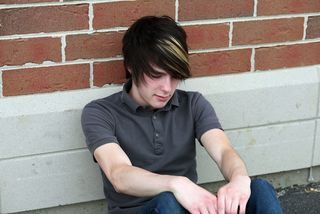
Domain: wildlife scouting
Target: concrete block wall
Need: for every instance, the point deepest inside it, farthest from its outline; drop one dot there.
(271, 118)
(57, 55)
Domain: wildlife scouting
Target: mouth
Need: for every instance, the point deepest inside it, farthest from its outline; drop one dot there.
(162, 98)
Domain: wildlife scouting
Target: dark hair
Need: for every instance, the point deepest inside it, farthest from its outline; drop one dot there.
(155, 41)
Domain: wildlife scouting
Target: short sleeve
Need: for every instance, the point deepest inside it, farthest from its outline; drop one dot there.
(98, 126)
(205, 117)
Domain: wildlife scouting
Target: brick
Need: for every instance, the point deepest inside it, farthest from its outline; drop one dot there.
(267, 31)
(45, 79)
(207, 36)
(287, 56)
(123, 14)
(36, 50)
(108, 73)
(97, 45)
(313, 29)
(43, 19)
(213, 9)
(269, 7)
(222, 62)
(25, 1)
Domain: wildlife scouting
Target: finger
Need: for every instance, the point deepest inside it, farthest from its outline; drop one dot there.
(228, 205)
(234, 206)
(212, 209)
(243, 205)
(215, 206)
(221, 204)
(203, 210)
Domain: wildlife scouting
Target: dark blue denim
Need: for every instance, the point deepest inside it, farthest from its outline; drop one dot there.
(263, 200)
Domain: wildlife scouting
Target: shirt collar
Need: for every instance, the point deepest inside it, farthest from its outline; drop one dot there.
(127, 99)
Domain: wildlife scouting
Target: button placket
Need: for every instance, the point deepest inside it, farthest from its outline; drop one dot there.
(158, 147)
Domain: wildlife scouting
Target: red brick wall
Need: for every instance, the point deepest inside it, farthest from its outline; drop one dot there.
(57, 45)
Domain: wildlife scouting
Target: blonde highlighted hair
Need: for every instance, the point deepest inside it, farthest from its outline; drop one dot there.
(155, 41)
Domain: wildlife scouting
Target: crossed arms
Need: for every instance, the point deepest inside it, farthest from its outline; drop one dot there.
(135, 181)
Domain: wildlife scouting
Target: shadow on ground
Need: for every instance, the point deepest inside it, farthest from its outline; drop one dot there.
(300, 199)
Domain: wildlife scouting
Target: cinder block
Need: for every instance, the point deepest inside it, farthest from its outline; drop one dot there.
(44, 123)
(266, 149)
(49, 180)
(260, 98)
(43, 133)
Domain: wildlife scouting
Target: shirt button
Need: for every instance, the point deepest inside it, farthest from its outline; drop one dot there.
(157, 135)
(154, 117)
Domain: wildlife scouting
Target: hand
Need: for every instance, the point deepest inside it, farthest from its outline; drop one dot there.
(235, 193)
(194, 198)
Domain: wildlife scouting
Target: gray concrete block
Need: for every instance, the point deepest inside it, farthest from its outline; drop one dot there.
(252, 99)
(40, 133)
(266, 149)
(49, 180)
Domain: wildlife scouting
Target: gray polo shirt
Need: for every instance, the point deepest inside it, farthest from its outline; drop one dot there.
(161, 141)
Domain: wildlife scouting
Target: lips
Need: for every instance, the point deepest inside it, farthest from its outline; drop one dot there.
(162, 98)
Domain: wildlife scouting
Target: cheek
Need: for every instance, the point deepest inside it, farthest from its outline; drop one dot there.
(175, 83)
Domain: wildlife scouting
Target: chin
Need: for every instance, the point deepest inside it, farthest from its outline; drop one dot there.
(159, 105)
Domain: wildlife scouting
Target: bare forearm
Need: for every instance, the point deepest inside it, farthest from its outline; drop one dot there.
(139, 182)
(232, 165)
(127, 178)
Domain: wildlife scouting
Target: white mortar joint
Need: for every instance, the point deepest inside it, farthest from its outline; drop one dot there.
(230, 34)
(63, 48)
(91, 75)
(91, 16)
(305, 26)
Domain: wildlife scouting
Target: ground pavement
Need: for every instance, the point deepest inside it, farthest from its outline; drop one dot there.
(302, 199)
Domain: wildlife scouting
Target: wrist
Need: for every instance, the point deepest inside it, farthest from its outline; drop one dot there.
(242, 178)
(177, 182)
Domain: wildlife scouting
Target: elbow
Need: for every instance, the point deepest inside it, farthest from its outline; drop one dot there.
(117, 181)
(119, 188)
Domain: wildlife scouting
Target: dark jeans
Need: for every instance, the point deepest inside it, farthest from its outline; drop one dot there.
(263, 200)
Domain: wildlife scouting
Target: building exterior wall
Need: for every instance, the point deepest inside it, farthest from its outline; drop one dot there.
(59, 45)
(256, 61)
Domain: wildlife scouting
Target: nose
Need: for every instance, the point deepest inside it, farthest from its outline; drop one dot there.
(166, 83)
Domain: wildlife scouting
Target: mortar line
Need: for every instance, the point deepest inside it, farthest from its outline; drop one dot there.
(60, 3)
(91, 77)
(255, 8)
(63, 48)
(273, 124)
(305, 26)
(311, 179)
(230, 34)
(44, 154)
(244, 19)
(265, 45)
(252, 59)
(177, 10)
(91, 16)
(51, 64)
(61, 33)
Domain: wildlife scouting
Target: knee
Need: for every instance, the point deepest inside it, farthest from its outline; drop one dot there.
(167, 203)
(168, 199)
(261, 186)
(263, 198)
(262, 191)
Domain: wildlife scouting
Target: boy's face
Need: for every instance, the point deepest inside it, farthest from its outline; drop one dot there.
(154, 92)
